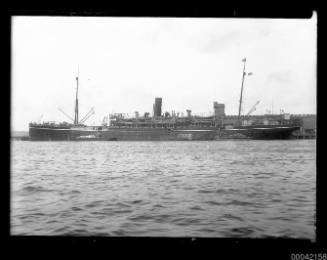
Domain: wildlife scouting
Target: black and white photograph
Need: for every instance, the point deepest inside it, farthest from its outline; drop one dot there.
(163, 127)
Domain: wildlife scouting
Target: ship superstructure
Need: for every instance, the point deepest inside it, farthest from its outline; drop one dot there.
(166, 126)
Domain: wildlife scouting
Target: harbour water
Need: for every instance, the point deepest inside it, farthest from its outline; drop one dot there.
(167, 189)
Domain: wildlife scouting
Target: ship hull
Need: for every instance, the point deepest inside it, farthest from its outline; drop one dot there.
(158, 134)
(258, 133)
(49, 134)
(120, 134)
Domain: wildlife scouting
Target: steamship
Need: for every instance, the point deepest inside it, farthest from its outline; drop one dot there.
(162, 126)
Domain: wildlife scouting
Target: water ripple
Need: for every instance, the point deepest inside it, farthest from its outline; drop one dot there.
(220, 189)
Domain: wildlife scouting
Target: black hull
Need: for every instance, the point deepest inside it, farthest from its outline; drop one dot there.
(159, 134)
(264, 133)
(120, 134)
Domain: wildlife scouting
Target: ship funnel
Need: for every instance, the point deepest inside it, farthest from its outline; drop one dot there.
(157, 107)
(219, 112)
(219, 109)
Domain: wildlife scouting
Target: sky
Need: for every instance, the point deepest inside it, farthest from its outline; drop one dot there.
(125, 62)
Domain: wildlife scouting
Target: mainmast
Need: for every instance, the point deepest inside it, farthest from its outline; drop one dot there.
(76, 102)
(241, 98)
(240, 106)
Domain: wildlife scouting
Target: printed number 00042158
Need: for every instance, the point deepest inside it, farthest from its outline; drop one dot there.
(315, 256)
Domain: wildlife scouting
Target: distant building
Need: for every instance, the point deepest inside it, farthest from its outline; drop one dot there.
(308, 125)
